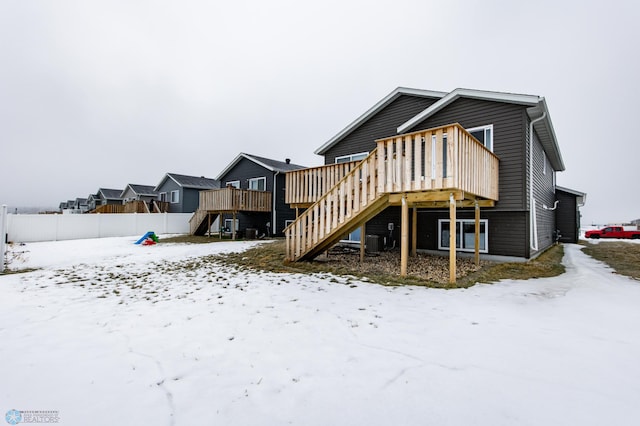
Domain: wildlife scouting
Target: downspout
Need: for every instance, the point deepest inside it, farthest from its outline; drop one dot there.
(533, 222)
(273, 196)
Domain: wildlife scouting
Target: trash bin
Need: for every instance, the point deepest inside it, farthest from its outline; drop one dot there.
(251, 233)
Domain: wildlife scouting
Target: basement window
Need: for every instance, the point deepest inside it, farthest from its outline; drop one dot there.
(465, 235)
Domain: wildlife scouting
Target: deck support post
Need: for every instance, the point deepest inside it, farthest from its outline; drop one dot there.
(414, 232)
(362, 241)
(209, 225)
(233, 226)
(404, 237)
(452, 239)
(477, 235)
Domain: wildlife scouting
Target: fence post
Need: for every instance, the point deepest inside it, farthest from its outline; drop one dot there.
(3, 231)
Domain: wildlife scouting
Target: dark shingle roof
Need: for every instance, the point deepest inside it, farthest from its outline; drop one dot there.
(194, 181)
(275, 165)
(110, 194)
(141, 189)
(267, 163)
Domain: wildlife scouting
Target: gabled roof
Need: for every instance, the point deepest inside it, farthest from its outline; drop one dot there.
(193, 182)
(537, 108)
(374, 110)
(139, 190)
(267, 163)
(109, 194)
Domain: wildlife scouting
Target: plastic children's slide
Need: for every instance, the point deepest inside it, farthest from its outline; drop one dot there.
(148, 239)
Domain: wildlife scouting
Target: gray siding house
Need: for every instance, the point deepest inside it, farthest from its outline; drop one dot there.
(135, 192)
(523, 220)
(182, 191)
(253, 172)
(104, 197)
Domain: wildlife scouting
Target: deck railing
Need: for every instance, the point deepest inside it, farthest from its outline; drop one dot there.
(304, 187)
(441, 158)
(232, 199)
(445, 158)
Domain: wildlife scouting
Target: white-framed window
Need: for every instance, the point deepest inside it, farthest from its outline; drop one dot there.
(175, 196)
(228, 223)
(288, 222)
(258, 184)
(484, 134)
(351, 157)
(234, 183)
(163, 196)
(465, 235)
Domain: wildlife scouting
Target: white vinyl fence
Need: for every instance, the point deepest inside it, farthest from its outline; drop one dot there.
(26, 228)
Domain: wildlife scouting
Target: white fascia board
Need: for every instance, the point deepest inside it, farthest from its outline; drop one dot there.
(166, 175)
(512, 98)
(230, 166)
(374, 109)
(550, 145)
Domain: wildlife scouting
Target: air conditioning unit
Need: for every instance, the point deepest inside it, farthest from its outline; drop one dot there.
(373, 243)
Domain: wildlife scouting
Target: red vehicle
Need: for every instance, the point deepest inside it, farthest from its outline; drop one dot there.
(612, 232)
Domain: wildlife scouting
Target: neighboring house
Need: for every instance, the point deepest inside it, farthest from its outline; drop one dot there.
(81, 205)
(182, 191)
(105, 197)
(420, 159)
(251, 197)
(134, 192)
(62, 206)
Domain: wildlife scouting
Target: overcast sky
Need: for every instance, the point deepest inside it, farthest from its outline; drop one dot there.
(102, 94)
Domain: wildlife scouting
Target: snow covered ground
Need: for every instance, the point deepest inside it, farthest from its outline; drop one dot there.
(110, 333)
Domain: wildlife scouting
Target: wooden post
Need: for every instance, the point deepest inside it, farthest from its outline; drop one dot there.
(209, 223)
(477, 235)
(362, 241)
(404, 237)
(233, 226)
(452, 239)
(414, 233)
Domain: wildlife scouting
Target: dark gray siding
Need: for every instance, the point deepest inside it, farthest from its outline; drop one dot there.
(544, 194)
(245, 170)
(190, 200)
(509, 143)
(383, 124)
(503, 227)
(567, 217)
(168, 186)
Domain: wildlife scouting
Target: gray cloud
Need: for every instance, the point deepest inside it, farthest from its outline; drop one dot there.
(101, 95)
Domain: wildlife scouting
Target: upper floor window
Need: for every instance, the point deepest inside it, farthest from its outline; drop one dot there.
(234, 183)
(352, 157)
(175, 196)
(163, 196)
(484, 134)
(259, 183)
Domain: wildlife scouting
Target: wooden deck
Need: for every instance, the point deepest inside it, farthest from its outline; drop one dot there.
(305, 186)
(439, 167)
(227, 200)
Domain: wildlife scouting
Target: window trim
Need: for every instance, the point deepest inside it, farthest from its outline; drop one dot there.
(484, 222)
(163, 196)
(257, 179)
(234, 183)
(350, 157)
(485, 128)
(175, 192)
(237, 223)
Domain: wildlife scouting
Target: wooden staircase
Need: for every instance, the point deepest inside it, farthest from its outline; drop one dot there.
(200, 222)
(429, 168)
